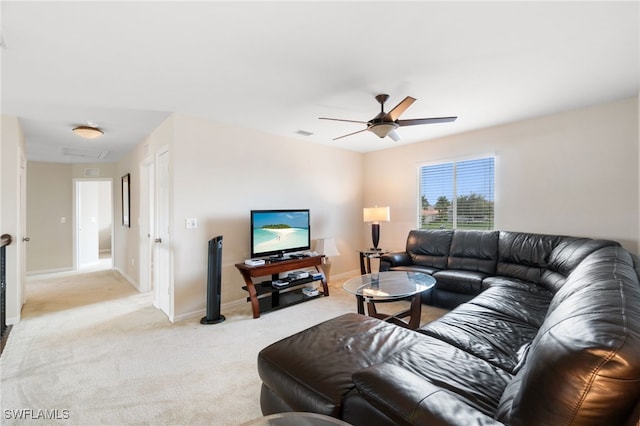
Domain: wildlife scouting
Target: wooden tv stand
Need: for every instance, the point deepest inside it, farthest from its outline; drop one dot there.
(270, 296)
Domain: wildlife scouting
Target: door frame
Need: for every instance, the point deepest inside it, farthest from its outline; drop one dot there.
(76, 206)
(147, 228)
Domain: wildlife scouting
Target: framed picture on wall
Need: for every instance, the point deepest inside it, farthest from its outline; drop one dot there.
(126, 201)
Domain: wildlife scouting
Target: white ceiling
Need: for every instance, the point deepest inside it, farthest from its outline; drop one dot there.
(278, 66)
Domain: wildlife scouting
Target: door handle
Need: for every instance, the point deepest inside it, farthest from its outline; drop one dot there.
(158, 240)
(26, 239)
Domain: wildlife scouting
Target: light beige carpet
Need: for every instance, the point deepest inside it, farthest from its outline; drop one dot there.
(90, 350)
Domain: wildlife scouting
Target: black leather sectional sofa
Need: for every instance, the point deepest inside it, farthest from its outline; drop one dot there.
(548, 333)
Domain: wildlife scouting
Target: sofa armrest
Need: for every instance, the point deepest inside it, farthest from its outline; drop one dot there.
(409, 399)
(400, 258)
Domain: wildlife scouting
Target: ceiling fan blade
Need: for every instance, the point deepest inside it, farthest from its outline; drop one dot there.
(400, 108)
(394, 135)
(340, 119)
(349, 134)
(416, 121)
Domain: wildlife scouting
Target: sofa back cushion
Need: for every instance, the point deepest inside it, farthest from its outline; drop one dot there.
(524, 256)
(565, 256)
(429, 247)
(474, 251)
(583, 365)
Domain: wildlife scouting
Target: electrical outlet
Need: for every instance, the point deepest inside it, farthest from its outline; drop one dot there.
(63, 220)
(191, 223)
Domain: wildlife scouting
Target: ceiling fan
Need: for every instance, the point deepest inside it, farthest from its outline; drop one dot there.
(385, 123)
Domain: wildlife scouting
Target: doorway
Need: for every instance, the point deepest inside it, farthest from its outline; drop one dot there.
(93, 242)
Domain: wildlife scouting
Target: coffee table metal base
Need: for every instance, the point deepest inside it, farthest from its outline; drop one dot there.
(414, 312)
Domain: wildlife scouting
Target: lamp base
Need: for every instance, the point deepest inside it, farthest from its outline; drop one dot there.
(326, 268)
(375, 235)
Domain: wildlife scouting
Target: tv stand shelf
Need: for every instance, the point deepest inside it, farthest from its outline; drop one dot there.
(264, 297)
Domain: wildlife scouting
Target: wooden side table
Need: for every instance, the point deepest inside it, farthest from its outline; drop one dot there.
(366, 256)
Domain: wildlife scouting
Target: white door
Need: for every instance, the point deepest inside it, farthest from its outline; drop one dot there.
(87, 225)
(162, 247)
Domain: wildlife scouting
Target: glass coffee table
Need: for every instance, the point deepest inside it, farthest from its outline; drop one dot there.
(391, 286)
(296, 419)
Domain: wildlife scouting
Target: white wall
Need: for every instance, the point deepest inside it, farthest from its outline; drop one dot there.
(49, 199)
(126, 248)
(219, 173)
(572, 173)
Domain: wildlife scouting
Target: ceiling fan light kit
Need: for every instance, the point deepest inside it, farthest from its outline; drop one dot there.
(88, 132)
(383, 129)
(385, 123)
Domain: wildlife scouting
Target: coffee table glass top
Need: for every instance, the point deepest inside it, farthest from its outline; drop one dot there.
(389, 285)
(296, 419)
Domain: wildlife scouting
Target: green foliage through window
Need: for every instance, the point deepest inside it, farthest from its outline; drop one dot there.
(457, 195)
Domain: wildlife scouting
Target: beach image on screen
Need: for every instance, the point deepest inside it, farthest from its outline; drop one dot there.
(273, 231)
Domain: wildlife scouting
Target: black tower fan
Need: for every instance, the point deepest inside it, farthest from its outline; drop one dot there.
(214, 282)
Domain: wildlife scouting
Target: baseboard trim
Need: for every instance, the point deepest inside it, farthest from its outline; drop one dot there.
(234, 304)
(227, 306)
(128, 278)
(13, 320)
(189, 315)
(348, 274)
(48, 271)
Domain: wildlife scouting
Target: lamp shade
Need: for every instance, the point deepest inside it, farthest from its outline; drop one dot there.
(376, 214)
(327, 246)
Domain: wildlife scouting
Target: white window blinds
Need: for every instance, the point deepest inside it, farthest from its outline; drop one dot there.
(457, 195)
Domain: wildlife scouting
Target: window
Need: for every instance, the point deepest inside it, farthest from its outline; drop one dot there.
(457, 195)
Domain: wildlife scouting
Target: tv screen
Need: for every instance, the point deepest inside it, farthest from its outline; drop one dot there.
(275, 232)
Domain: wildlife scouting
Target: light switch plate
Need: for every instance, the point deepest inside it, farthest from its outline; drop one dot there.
(191, 223)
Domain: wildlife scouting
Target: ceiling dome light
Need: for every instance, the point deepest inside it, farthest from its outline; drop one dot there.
(88, 132)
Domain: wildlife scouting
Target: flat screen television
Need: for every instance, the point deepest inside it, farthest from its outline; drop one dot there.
(276, 232)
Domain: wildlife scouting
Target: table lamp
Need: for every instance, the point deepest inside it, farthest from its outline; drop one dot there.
(375, 215)
(327, 247)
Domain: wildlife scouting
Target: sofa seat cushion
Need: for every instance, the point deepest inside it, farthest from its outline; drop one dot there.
(484, 332)
(446, 299)
(458, 281)
(517, 299)
(311, 370)
(476, 382)
(415, 268)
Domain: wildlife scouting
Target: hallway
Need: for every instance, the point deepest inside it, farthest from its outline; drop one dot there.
(48, 293)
